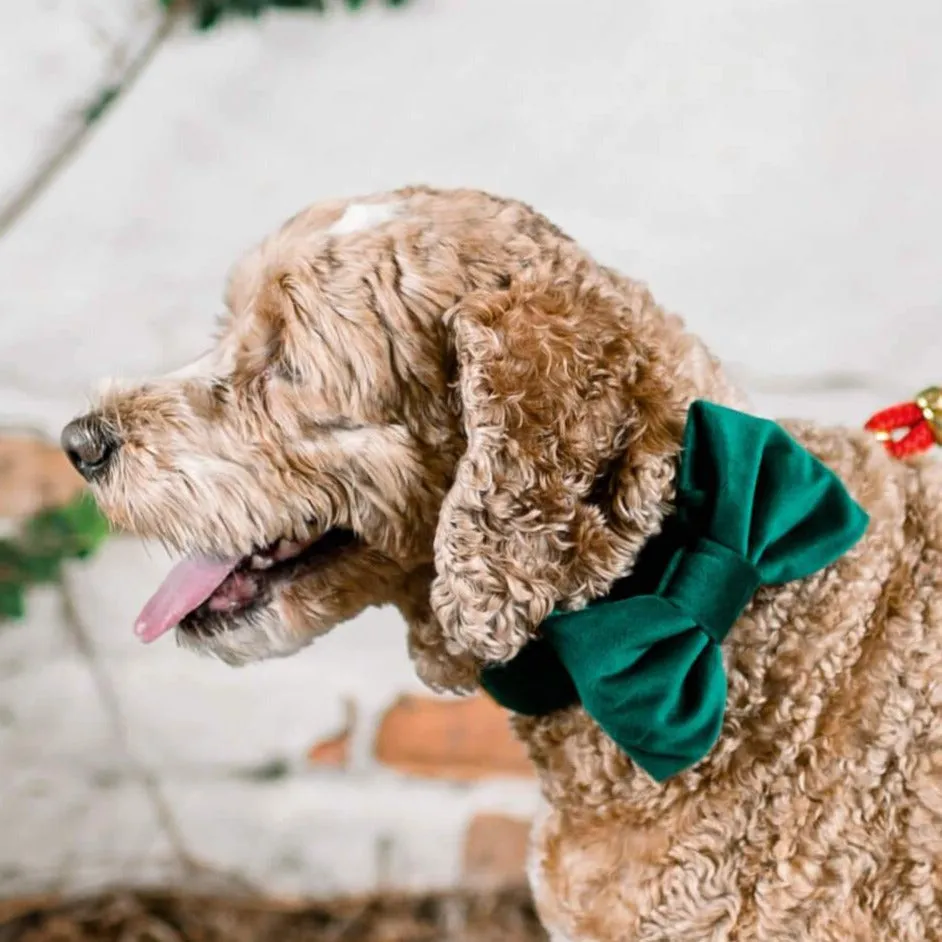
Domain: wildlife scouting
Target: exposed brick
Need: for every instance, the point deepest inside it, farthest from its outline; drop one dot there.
(495, 849)
(461, 740)
(34, 474)
(333, 752)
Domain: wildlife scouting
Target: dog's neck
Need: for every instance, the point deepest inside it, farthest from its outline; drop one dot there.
(647, 498)
(754, 508)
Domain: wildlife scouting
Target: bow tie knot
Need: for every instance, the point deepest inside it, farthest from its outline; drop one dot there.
(710, 584)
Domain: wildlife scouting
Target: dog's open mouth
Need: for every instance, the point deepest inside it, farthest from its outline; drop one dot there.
(203, 587)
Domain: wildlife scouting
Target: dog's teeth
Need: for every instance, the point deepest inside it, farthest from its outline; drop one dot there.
(261, 562)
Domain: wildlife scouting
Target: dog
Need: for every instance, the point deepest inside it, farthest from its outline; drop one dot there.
(437, 400)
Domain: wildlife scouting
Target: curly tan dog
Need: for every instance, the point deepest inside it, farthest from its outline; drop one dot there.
(438, 400)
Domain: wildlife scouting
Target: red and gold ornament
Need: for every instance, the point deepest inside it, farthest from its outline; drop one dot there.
(910, 428)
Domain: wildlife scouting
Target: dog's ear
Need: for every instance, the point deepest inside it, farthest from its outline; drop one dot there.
(572, 423)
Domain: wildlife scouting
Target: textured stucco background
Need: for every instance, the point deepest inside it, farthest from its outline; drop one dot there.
(771, 169)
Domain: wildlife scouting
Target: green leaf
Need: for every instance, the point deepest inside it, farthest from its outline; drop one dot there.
(42, 568)
(208, 12)
(13, 564)
(12, 601)
(70, 532)
(14, 575)
(73, 531)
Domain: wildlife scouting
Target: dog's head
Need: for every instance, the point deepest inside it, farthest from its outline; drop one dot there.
(434, 400)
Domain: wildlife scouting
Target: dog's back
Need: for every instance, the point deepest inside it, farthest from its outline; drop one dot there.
(819, 814)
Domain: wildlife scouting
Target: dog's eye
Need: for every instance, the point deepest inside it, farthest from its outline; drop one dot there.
(220, 391)
(284, 369)
(281, 365)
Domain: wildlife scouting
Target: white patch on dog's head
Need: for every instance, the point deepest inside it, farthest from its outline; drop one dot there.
(360, 216)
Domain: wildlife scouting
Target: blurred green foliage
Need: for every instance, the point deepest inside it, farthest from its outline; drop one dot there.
(208, 12)
(36, 554)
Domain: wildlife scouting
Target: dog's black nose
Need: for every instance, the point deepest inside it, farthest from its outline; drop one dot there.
(90, 445)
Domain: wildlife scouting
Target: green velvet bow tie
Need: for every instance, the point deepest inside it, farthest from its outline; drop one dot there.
(753, 508)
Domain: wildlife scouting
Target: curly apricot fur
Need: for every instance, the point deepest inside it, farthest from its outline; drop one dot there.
(497, 416)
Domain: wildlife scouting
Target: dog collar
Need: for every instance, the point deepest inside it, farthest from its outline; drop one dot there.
(753, 508)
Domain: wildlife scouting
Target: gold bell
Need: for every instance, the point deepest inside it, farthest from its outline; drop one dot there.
(930, 401)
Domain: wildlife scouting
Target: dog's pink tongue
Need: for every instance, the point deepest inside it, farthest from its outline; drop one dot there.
(189, 584)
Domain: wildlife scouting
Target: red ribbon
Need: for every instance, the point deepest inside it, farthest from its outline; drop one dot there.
(910, 428)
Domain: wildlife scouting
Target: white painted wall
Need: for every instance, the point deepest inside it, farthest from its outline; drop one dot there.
(772, 169)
